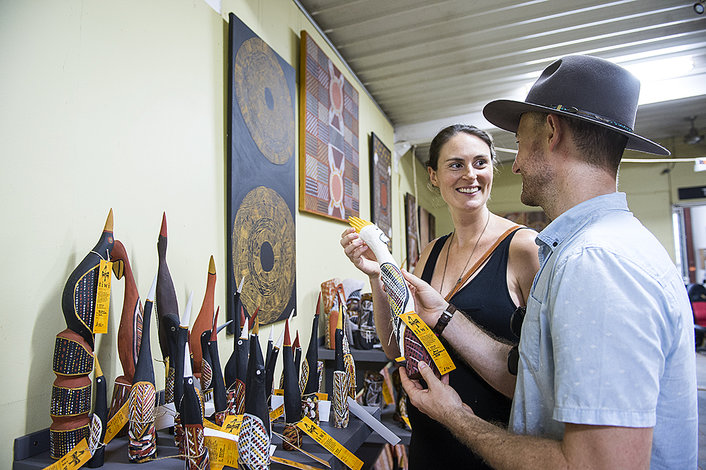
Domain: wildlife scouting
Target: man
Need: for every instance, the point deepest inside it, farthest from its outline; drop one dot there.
(606, 357)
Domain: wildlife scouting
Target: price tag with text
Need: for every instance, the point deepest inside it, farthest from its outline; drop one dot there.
(276, 413)
(74, 459)
(100, 322)
(117, 422)
(330, 444)
(231, 424)
(430, 342)
(221, 452)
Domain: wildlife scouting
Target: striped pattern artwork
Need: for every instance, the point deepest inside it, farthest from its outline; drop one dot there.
(339, 402)
(94, 435)
(350, 370)
(142, 436)
(254, 443)
(206, 375)
(195, 448)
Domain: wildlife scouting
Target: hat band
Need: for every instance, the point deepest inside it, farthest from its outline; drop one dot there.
(596, 117)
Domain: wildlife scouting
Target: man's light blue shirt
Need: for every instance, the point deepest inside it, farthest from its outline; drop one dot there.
(608, 337)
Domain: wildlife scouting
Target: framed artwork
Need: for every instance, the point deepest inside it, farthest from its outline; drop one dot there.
(535, 220)
(261, 177)
(410, 210)
(427, 227)
(328, 137)
(380, 187)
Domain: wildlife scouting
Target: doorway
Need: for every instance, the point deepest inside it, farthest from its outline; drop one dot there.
(689, 222)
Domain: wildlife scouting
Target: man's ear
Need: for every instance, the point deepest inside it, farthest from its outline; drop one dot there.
(556, 130)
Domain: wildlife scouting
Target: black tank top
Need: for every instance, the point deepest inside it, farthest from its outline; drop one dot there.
(486, 301)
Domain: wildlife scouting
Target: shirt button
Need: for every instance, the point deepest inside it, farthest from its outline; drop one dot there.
(555, 244)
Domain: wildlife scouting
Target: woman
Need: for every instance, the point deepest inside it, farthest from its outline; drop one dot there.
(461, 165)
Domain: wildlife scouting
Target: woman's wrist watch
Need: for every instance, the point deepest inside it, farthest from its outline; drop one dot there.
(444, 319)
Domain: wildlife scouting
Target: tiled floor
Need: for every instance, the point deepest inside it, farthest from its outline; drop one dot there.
(701, 383)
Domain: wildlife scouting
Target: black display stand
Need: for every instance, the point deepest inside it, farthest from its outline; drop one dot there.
(32, 450)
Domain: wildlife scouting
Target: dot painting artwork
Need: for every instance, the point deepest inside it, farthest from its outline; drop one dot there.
(261, 177)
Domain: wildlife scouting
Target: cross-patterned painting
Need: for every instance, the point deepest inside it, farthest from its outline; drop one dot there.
(328, 137)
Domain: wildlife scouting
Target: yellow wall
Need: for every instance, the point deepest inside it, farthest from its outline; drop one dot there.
(123, 105)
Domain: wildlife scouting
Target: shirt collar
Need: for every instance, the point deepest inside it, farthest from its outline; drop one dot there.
(571, 220)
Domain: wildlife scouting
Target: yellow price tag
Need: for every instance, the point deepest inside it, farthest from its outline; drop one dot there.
(74, 459)
(209, 424)
(292, 463)
(116, 423)
(277, 412)
(221, 452)
(430, 342)
(100, 322)
(386, 394)
(231, 424)
(322, 396)
(330, 444)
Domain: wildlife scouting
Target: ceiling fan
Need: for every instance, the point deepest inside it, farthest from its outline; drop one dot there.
(693, 136)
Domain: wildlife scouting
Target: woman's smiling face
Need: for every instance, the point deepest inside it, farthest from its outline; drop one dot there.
(464, 173)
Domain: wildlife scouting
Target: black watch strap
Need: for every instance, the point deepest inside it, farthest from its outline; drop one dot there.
(444, 319)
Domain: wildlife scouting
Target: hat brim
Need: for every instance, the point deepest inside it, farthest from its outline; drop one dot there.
(506, 114)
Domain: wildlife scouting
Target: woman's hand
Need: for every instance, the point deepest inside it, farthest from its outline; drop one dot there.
(428, 303)
(358, 252)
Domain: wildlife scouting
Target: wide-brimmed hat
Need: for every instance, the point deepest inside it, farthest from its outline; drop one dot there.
(582, 87)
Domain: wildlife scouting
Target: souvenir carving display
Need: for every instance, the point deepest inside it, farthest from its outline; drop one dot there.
(129, 330)
(296, 347)
(230, 372)
(366, 336)
(292, 397)
(204, 320)
(219, 388)
(206, 366)
(190, 408)
(255, 433)
(166, 301)
(352, 315)
(178, 332)
(372, 395)
(398, 295)
(329, 298)
(142, 445)
(309, 380)
(242, 344)
(73, 349)
(99, 421)
(270, 365)
(341, 382)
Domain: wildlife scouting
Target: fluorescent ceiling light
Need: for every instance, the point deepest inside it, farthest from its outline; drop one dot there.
(661, 79)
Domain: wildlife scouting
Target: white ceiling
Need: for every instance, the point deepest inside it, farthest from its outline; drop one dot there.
(431, 63)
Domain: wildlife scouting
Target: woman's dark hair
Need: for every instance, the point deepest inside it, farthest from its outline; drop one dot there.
(447, 133)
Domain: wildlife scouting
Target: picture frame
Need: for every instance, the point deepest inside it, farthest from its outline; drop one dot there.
(328, 137)
(261, 178)
(381, 186)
